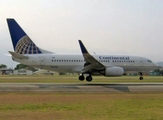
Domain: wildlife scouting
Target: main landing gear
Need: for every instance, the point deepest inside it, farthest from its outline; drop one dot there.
(88, 78)
(81, 77)
(141, 76)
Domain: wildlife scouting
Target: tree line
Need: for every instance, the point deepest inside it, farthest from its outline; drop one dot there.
(20, 66)
(160, 72)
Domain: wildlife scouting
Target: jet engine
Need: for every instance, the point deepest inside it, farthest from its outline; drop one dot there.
(113, 71)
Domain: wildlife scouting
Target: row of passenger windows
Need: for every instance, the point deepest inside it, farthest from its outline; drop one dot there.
(130, 61)
(67, 60)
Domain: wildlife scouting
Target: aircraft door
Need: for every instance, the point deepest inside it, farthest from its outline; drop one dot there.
(42, 62)
(141, 62)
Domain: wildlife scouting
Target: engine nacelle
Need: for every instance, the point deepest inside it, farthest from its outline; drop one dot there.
(114, 71)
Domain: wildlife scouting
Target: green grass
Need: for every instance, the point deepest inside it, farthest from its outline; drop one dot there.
(81, 106)
(74, 79)
(47, 106)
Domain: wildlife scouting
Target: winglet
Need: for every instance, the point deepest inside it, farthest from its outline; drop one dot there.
(83, 49)
(91, 62)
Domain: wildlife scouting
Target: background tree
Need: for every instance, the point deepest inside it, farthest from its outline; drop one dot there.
(157, 70)
(61, 73)
(3, 66)
(161, 72)
(22, 66)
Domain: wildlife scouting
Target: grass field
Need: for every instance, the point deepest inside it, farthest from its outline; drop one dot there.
(74, 79)
(62, 106)
(80, 106)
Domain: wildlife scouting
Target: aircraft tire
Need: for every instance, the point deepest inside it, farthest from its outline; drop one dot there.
(89, 78)
(81, 78)
(141, 78)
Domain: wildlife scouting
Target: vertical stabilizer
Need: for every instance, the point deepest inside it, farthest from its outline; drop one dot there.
(21, 42)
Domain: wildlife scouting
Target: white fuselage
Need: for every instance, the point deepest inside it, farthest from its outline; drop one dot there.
(74, 63)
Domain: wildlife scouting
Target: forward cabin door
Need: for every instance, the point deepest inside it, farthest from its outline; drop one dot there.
(141, 62)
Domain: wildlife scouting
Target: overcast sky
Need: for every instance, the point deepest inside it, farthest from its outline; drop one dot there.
(129, 27)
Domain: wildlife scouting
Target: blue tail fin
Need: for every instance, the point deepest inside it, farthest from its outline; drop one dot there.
(21, 42)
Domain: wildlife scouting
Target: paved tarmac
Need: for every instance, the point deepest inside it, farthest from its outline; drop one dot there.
(90, 87)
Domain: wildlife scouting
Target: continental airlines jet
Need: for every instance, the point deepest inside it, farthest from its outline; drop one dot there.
(85, 64)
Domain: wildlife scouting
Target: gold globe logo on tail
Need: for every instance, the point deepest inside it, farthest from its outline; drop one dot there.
(26, 46)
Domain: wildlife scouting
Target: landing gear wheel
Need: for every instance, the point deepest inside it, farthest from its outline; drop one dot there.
(89, 78)
(141, 78)
(81, 77)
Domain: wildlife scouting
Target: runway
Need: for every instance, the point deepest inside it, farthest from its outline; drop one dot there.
(75, 87)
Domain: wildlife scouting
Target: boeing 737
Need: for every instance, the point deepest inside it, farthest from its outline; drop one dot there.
(26, 52)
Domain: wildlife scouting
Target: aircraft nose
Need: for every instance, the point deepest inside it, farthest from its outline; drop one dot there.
(157, 66)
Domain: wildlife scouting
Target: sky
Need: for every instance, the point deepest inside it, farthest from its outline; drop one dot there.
(120, 27)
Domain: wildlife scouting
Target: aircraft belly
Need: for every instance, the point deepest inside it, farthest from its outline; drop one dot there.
(63, 68)
(139, 68)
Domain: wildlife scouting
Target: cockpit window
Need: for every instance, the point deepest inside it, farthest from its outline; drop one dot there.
(149, 61)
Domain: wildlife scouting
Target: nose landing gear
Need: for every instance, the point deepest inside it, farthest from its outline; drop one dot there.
(141, 76)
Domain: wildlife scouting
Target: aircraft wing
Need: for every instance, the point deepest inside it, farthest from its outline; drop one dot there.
(16, 55)
(91, 63)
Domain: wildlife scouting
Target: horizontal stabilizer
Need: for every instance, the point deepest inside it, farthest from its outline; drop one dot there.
(9, 55)
(16, 55)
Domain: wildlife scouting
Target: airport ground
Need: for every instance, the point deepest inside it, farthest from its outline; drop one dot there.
(83, 105)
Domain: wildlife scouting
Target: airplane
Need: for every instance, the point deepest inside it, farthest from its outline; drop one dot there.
(26, 52)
